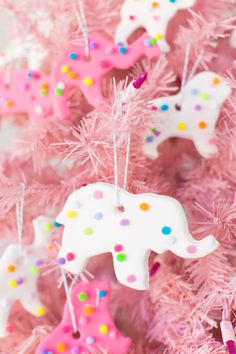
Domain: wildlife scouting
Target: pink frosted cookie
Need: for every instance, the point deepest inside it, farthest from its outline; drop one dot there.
(75, 70)
(19, 274)
(27, 92)
(192, 114)
(96, 329)
(95, 224)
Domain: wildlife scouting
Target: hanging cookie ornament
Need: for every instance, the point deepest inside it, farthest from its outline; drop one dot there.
(19, 273)
(191, 114)
(153, 16)
(27, 92)
(75, 69)
(96, 329)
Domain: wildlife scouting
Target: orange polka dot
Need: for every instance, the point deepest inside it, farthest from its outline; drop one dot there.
(216, 81)
(144, 206)
(155, 4)
(72, 75)
(202, 125)
(89, 310)
(11, 268)
(61, 347)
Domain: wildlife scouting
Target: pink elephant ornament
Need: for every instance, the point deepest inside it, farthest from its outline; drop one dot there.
(95, 224)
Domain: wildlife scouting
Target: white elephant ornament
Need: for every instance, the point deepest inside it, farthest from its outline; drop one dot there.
(95, 224)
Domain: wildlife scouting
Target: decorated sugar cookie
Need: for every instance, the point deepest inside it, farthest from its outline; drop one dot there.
(192, 114)
(153, 16)
(26, 92)
(19, 274)
(76, 70)
(95, 224)
(96, 329)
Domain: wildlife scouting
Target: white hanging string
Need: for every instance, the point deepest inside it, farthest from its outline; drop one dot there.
(195, 66)
(81, 18)
(127, 161)
(185, 71)
(19, 218)
(68, 298)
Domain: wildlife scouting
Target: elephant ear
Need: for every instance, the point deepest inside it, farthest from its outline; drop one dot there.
(70, 210)
(184, 4)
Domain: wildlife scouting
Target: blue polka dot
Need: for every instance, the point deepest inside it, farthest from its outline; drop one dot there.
(123, 50)
(166, 230)
(194, 91)
(30, 74)
(172, 1)
(120, 44)
(147, 43)
(149, 139)
(93, 45)
(98, 216)
(57, 224)
(90, 340)
(73, 56)
(102, 293)
(164, 107)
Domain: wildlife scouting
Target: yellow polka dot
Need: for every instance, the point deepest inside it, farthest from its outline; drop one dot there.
(72, 75)
(204, 95)
(159, 36)
(103, 329)
(11, 268)
(89, 310)
(41, 311)
(50, 247)
(12, 283)
(48, 226)
(144, 206)
(71, 214)
(182, 126)
(61, 347)
(216, 81)
(88, 81)
(64, 69)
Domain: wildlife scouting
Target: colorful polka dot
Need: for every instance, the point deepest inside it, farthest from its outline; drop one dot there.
(59, 91)
(105, 64)
(89, 310)
(204, 95)
(102, 293)
(121, 257)
(82, 296)
(166, 230)
(131, 278)
(72, 75)
(202, 125)
(89, 340)
(71, 214)
(103, 329)
(70, 256)
(98, 216)
(122, 50)
(11, 268)
(34, 269)
(73, 56)
(88, 81)
(164, 107)
(149, 139)
(88, 231)
(48, 226)
(182, 126)
(159, 36)
(64, 69)
(198, 107)
(61, 347)
(194, 91)
(41, 311)
(124, 222)
(13, 283)
(144, 206)
(191, 249)
(61, 261)
(75, 350)
(155, 4)
(118, 248)
(98, 195)
(216, 81)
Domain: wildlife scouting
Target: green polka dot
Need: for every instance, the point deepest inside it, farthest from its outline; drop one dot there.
(121, 257)
(59, 91)
(82, 296)
(43, 93)
(88, 231)
(48, 226)
(34, 269)
(153, 41)
(204, 95)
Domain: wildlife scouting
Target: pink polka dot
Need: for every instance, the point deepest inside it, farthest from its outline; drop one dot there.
(131, 17)
(66, 329)
(70, 256)
(9, 328)
(212, 141)
(83, 321)
(191, 249)
(113, 335)
(153, 108)
(131, 278)
(105, 64)
(118, 248)
(98, 195)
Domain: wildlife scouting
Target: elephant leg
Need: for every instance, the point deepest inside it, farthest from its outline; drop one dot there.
(205, 145)
(5, 308)
(33, 305)
(131, 268)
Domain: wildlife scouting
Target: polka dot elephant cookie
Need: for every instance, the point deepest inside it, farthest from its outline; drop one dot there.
(192, 114)
(27, 92)
(153, 16)
(96, 329)
(94, 224)
(76, 70)
(19, 274)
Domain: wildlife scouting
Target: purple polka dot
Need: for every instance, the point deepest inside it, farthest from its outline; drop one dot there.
(98, 195)
(131, 278)
(39, 262)
(61, 261)
(198, 107)
(20, 281)
(124, 222)
(191, 249)
(157, 132)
